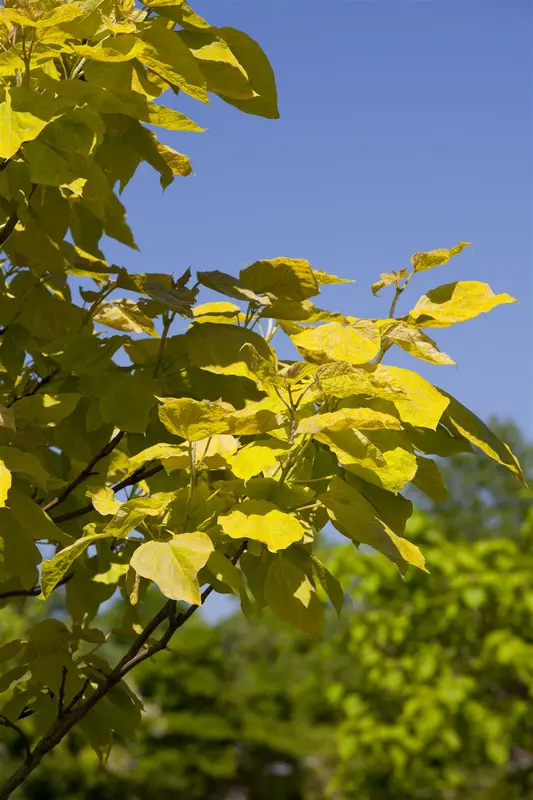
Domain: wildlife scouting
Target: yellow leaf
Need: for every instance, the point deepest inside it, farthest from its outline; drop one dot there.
(163, 51)
(434, 258)
(124, 315)
(257, 457)
(172, 456)
(23, 115)
(221, 312)
(216, 451)
(219, 348)
(263, 522)
(345, 418)
(386, 278)
(288, 278)
(463, 421)
(103, 500)
(195, 419)
(174, 565)
(456, 302)
(223, 73)
(417, 401)
(115, 49)
(355, 343)
(326, 278)
(355, 517)
(56, 568)
(414, 341)
(259, 417)
(5, 483)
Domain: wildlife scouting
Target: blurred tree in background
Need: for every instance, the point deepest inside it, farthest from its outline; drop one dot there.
(423, 690)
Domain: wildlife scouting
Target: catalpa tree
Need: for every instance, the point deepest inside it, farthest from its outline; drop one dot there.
(147, 440)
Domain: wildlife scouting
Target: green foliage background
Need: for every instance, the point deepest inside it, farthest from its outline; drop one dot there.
(423, 690)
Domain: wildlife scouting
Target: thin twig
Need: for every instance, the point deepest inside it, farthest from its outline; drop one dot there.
(42, 382)
(61, 700)
(139, 475)
(86, 472)
(35, 591)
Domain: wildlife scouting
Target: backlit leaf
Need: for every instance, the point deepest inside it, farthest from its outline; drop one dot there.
(195, 419)
(263, 522)
(258, 456)
(288, 278)
(414, 341)
(292, 597)
(174, 565)
(124, 315)
(355, 343)
(54, 570)
(346, 418)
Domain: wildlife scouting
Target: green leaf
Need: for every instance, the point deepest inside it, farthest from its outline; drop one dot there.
(131, 513)
(19, 555)
(221, 70)
(456, 302)
(263, 522)
(128, 401)
(329, 583)
(219, 348)
(54, 570)
(124, 315)
(195, 419)
(256, 65)
(429, 480)
(286, 278)
(354, 517)
(45, 409)
(354, 343)
(464, 422)
(414, 341)
(34, 520)
(26, 463)
(292, 597)
(174, 565)
(231, 287)
(172, 457)
(223, 570)
(434, 258)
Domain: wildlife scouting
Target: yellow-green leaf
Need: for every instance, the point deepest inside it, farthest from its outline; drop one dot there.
(355, 517)
(325, 278)
(218, 348)
(434, 258)
(174, 565)
(103, 500)
(417, 401)
(167, 55)
(386, 278)
(456, 302)
(33, 519)
(5, 483)
(292, 597)
(287, 278)
(346, 418)
(215, 452)
(465, 422)
(55, 569)
(23, 115)
(258, 457)
(263, 522)
(124, 315)
(172, 456)
(195, 419)
(252, 59)
(354, 343)
(429, 480)
(414, 341)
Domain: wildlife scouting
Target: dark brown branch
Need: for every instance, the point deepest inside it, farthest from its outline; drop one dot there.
(35, 591)
(6, 723)
(42, 382)
(61, 700)
(135, 655)
(86, 472)
(139, 475)
(8, 228)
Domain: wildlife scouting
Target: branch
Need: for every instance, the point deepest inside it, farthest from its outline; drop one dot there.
(8, 228)
(140, 474)
(135, 655)
(35, 591)
(35, 389)
(85, 473)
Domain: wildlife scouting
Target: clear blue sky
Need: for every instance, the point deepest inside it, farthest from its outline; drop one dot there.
(404, 126)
